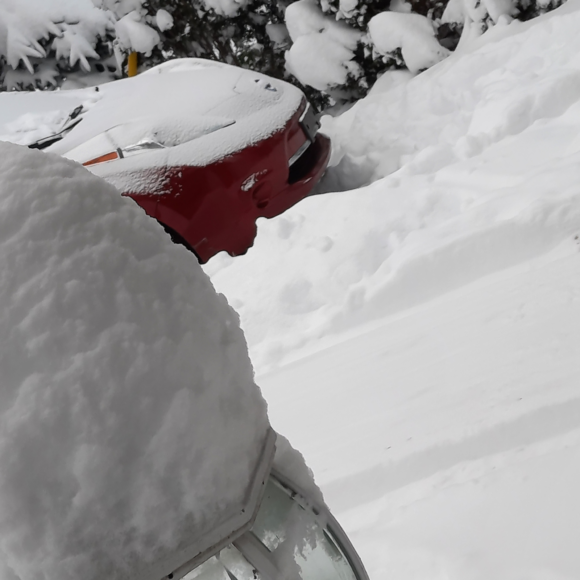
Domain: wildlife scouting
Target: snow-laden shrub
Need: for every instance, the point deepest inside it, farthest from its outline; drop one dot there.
(322, 51)
(246, 33)
(326, 47)
(335, 50)
(412, 34)
(471, 18)
(44, 42)
(40, 40)
(393, 34)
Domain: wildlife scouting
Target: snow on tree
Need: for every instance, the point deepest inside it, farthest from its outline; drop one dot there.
(392, 34)
(412, 34)
(473, 17)
(333, 43)
(349, 58)
(247, 33)
(41, 41)
(332, 49)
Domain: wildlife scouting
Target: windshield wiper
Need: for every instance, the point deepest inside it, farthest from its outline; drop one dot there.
(72, 121)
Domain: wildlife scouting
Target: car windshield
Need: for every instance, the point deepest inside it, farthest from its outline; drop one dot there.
(289, 539)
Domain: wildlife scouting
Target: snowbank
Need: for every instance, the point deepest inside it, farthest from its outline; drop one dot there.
(474, 167)
(130, 421)
(497, 86)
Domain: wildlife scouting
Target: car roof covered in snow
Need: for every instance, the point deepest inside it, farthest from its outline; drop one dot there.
(131, 426)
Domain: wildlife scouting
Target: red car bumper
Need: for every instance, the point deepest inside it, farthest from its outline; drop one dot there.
(215, 208)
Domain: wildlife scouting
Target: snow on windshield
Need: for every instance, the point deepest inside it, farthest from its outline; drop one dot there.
(130, 420)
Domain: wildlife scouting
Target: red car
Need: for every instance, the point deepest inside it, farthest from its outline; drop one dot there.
(203, 147)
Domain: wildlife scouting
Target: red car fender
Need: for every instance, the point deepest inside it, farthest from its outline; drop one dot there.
(215, 207)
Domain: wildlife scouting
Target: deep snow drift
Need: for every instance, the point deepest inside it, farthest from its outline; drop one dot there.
(474, 165)
(130, 421)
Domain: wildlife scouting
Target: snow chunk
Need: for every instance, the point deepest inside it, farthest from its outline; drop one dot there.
(164, 20)
(130, 419)
(412, 33)
(323, 49)
(136, 35)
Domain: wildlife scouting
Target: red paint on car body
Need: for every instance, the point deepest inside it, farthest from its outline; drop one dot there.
(214, 208)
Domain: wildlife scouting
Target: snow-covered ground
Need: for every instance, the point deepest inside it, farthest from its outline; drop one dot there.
(416, 332)
(418, 338)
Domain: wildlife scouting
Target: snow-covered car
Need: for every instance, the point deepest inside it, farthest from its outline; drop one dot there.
(203, 147)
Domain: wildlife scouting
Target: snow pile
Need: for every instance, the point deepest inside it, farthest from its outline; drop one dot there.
(498, 86)
(412, 33)
(482, 161)
(130, 421)
(322, 50)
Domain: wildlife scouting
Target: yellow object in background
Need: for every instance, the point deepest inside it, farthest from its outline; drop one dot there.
(132, 64)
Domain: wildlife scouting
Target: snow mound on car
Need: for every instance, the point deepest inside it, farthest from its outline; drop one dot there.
(129, 418)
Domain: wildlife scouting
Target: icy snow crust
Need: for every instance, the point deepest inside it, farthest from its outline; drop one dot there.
(130, 421)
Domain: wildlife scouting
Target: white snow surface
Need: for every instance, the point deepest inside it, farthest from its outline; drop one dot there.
(416, 335)
(130, 422)
(416, 330)
(474, 167)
